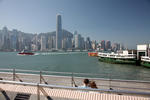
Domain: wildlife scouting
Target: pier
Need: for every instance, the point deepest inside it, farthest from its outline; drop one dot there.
(49, 85)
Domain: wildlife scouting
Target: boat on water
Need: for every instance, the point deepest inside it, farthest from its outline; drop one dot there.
(95, 54)
(145, 61)
(118, 58)
(25, 52)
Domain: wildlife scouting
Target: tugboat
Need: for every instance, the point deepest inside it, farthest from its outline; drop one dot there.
(25, 52)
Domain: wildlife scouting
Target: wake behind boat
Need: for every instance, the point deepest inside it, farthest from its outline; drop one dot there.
(25, 52)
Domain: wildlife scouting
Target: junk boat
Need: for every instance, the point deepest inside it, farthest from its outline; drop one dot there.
(118, 58)
(25, 52)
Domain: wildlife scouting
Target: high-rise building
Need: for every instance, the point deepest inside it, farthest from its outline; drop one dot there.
(73, 39)
(103, 45)
(58, 32)
(88, 45)
(43, 43)
(94, 44)
(77, 41)
(108, 45)
(82, 43)
(115, 47)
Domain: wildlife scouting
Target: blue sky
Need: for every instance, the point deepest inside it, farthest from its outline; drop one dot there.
(124, 21)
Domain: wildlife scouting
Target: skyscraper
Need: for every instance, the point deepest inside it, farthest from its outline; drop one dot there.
(43, 43)
(108, 45)
(88, 44)
(77, 41)
(103, 45)
(94, 44)
(58, 32)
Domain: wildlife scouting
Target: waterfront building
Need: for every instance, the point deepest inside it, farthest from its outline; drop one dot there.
(103, 45)
(115, 47)
(64, 43)
(50, 42)
(143, 54)
(1, 44)
(69, 43)
(43, 43)
(13, 39)
(143, 50)
(36, 42)
(108, 46)
(88, 44)
(73, 39)
(77, 41)
(53, 42)
(67, 40)
(82, 43)
(33, 47)
(94, 44)
(58, 32)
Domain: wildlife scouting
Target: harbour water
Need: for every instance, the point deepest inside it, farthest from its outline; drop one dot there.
(78, 62)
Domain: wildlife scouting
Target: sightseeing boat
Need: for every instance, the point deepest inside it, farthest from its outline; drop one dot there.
(118, 58)
(95, 54)
(145, 61)
(25, 52)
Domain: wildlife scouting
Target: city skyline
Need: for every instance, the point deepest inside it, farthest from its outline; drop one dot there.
(14, 40)
(114, 20)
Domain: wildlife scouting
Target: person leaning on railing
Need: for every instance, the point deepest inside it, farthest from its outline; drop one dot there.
(86, 84)
(93, 85)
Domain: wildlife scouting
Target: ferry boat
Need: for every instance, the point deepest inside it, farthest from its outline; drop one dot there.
(95, 54)
(145, 61)
(118, 58)
(25, 52)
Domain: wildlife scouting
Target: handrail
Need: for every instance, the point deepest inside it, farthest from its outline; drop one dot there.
(6, 69)
(73, 88)
(54, 72)
(104, 79)
(23, 70)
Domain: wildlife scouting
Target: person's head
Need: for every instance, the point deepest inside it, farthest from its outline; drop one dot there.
(86, 81)
(93, 85)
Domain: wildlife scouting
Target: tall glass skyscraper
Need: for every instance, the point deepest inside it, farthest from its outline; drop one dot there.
(58, 32)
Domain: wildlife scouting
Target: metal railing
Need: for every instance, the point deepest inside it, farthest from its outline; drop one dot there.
(67, 80)
(40, 87)
(17, 72)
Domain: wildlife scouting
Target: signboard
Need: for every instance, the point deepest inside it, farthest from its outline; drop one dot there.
(142, 47)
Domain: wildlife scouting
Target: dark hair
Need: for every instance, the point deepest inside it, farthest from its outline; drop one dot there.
(86, 81)
(93, 85)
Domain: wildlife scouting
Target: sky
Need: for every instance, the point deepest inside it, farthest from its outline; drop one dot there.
(123, 21)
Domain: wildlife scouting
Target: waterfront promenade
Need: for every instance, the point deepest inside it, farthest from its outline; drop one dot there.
(60, 86)
(63, 94)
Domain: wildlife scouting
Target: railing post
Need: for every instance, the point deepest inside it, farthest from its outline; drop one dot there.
(14, 74)
(40, 77)
(72, 79)
(38, 92)
(110, 81)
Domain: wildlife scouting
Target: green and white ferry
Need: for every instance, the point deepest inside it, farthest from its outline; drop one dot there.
(118, 58)
(145, 61)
